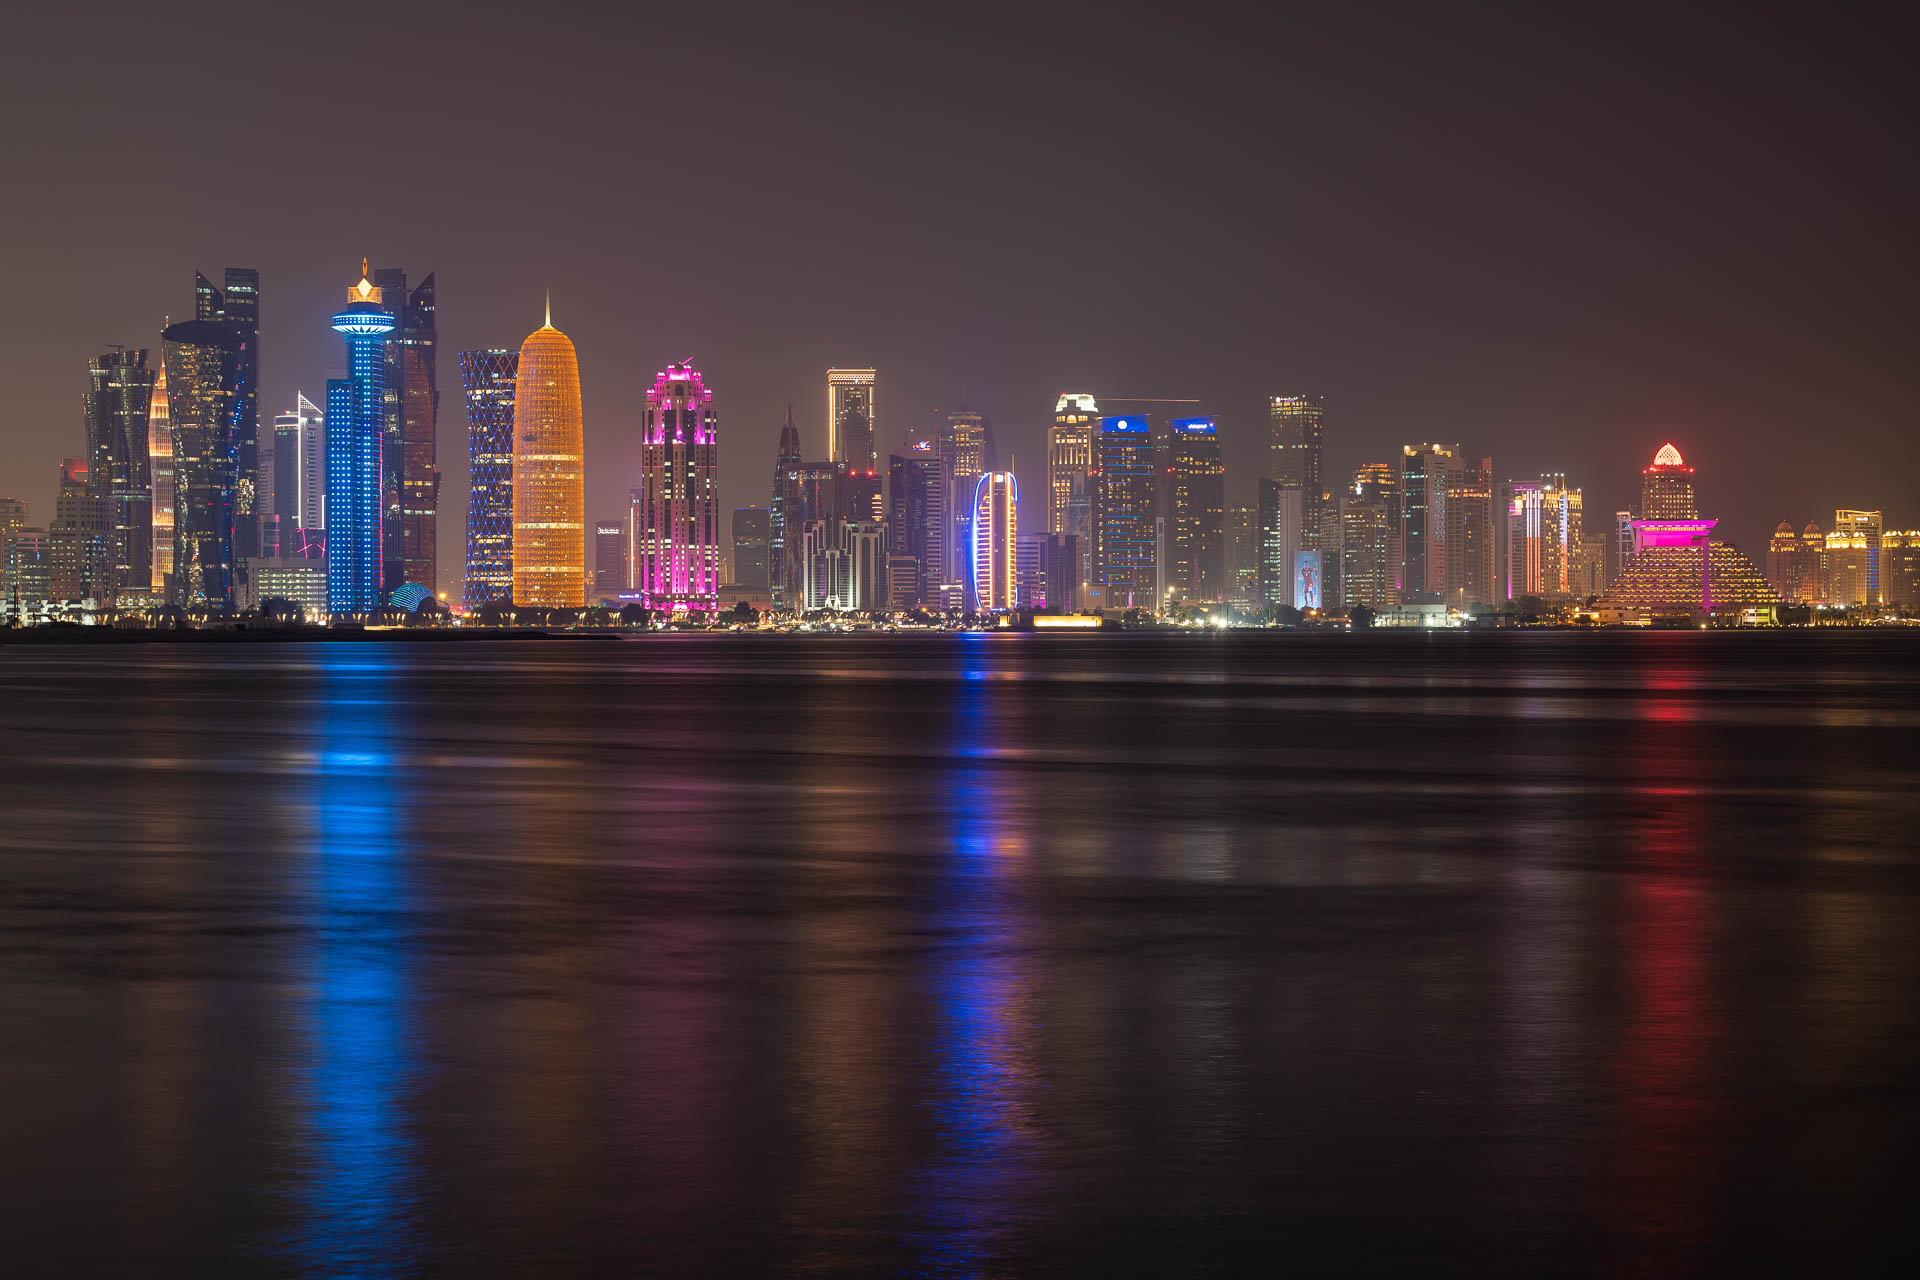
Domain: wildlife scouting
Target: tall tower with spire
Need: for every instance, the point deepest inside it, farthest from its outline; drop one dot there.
(356, 436)
(549, 474)
(783, 543)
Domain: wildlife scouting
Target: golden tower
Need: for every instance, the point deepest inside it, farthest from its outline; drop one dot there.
(549, 475)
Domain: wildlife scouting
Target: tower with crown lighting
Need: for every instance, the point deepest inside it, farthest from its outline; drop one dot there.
(356, 421)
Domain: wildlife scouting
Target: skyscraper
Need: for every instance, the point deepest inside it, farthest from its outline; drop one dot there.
(356, 435)
(236, 307)
(917, 498)
(410, 497)
(1125, 564)
(1562, 532)
(1861, 530)
(1526, 541)
(996, 541)
(1677, 567)
(850, 419)
(962, 444)
(783, 519)
(1666, 488)
(1282, 538)
(1369, 570)
(610, 565)
(676, 526)
(160, 458)
(13, 518)
(1472, 534)
(750, 533)
(1295, 442)
(1426, 470)
(118, 406)
(1196, 487)
(300, 479)
(1070, 470)
(80, 565)
(486, 387)
(549, 475)
(206, 363)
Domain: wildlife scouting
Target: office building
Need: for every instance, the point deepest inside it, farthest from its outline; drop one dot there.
(235, 307)
(961, 440)
(1561, 536)
(1070, 470)
(751, 534)
(487, 382)
(1900, 570)
(13, 518)
(783, 519)
(1858, 533)
(299, 471)
(300, 580)
(117, 408)
(610, 571)
(1282, 539)
(1472, 534)
(207, 363)
(1125, 560)
(356, 435)
(851, 426)
(1243, 554)
(1050, 572)
(29, 570)
(1196, 511)
(863, 551)
(1295, 444)
(77, 540)
(1421, 486)
(1526, 534)
(917, 529)
(160, 459)
(410, 476)
(996, 542)
(1369, 570)
(676, 524)
(549, 475)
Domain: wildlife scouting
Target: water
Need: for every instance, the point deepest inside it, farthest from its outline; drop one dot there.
(1044, 955)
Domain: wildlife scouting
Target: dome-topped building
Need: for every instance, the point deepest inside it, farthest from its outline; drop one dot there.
(549, 474)
(1677, 567)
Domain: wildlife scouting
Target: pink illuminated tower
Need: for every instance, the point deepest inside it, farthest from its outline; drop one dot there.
(675, 524)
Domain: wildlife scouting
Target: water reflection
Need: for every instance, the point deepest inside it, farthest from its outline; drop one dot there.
(356, 1198)
(982, 1185)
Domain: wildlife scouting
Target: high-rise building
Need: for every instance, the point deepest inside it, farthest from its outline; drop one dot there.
(1196, 514)
(1472, 534)
(29, 570)
(300, 479)
(235, 306)
(676, 526)
(1369, 569)
(117, 407)
(1282, 537)
(1125, 563)
(1677, 567)
(851, 428)
(160, 458)
(996, 541)
(1526, 541)
(751, 534)
(917, 497)
(1070, 472)
(410, 493)
(1295, 443)
(549, 474)
(356, 436)
(1666, 488)
(962, 442)
(1900, 569)
(1422, 484)
(487, 380)
(80, 563)
(1859, 531)
(206, 363)
(783, 519)
(1794, 562)
(609, 558)
(1561, 535)
(13, 518)
(863, 554)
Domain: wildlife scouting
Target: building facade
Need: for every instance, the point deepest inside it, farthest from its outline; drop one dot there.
(852, 433)
(549, 474)
(487, 383)
(206, 364)
(160, 458)
(676, 525)
(996, 541)
(410, 475)
(356, 435)
(1125, 560)
(783, 519)
(1196, 511)
(118, 408)
(751, 534)
(1296, 441)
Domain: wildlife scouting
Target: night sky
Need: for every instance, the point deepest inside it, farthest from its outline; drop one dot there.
(1557, 240)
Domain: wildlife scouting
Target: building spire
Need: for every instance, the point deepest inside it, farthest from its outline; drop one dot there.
(549, 323)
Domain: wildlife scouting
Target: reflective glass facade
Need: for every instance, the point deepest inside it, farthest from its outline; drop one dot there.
(487, 381)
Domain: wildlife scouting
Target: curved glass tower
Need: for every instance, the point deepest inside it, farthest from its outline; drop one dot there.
(996, 541)
(356, 421)
(549, 475)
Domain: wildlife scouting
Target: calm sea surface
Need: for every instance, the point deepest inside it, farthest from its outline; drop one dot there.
(1000, 956)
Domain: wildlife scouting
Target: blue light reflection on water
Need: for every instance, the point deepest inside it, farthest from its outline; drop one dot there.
(356, 1199)
(982, 1182)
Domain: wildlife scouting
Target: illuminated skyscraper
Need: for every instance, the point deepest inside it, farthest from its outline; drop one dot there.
(1295, 442)
(1900, 569)
(236, 307)
(549, 475)
(1369, 568)
(13, 518)
(1125, 564)
(1677, 567)
(1472, 534)
(1281, 539)
(206, 363)
(80, 565)
(1859, 532)
(850, 420)
(610, 566)
(996, 541)
(1526, 542)
(300, 479)
(1794, 562)
(410, 496)
(160, 458)
(356, 436)
(1196, 515)
(1424, 469)
(783, 519)
(1243, 554)
(918, 526)
(1561, 534)
(676, 526)
(1666, 488)
(1070, 471)
(118, 408)
(962, 443)
(486, 385)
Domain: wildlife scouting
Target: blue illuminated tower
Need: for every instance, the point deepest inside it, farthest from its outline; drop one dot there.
(356, 422)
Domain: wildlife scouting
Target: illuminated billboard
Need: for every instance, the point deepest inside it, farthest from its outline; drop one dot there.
(1306, 579)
